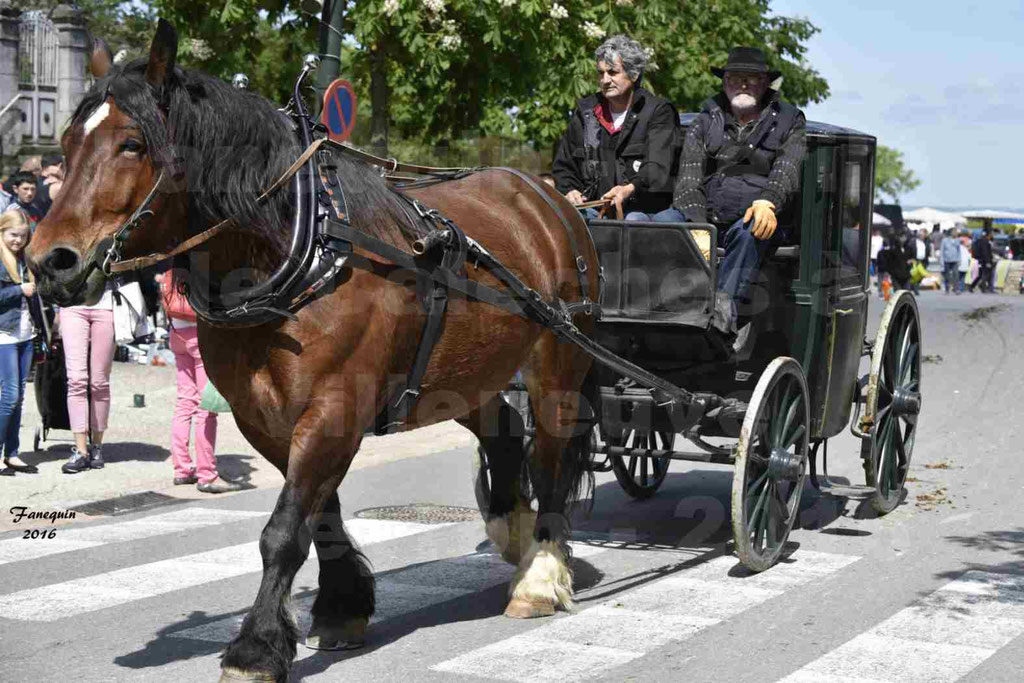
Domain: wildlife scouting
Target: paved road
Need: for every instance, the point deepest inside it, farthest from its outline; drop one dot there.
(932, 592)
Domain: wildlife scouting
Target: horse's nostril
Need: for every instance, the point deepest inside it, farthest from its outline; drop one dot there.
(61, 260)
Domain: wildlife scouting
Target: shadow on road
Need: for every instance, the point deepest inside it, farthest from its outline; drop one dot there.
(117, 451)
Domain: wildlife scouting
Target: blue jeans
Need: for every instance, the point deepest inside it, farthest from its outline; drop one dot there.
(15, 362)
(950, 275)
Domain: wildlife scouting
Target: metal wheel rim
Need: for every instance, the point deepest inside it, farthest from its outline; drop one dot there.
(895, 367)
(765, 506)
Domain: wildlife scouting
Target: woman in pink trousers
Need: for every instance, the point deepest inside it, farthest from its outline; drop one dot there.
(202, 471)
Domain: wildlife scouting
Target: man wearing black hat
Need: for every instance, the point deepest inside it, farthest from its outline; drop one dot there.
(740, 168)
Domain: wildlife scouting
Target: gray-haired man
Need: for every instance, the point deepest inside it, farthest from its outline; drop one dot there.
(623, 142)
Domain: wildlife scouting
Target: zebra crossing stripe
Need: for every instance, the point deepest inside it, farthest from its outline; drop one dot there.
(79, 596)
(19, 549)
(640, 621)
(400, 592)
(939, 639)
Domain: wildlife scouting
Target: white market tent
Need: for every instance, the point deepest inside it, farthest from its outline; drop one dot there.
(987, 217)
(932, 216)
(880, 221)
(994, 215)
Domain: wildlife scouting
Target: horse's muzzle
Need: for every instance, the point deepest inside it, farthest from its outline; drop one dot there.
(60, 275)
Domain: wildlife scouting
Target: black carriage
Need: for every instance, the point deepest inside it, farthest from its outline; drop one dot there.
(768, 403)
(790, 382)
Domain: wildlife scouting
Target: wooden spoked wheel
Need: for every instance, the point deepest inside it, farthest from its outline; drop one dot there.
(771, 463)
(641, 475)
(893, 402)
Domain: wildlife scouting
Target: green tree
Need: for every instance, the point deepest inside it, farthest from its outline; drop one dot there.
(892, 178)
(440, 70)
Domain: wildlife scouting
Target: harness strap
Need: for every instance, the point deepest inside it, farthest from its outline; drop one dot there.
(580, 262)
(472, 289)
(397, 412)
(391, 165)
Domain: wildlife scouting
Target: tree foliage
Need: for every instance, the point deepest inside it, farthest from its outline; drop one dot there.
(439, 70)
(892, 178)
(459, 66)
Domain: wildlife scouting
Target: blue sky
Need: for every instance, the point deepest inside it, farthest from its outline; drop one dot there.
(943, 82)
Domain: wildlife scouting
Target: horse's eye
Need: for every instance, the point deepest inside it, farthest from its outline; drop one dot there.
(132, 146)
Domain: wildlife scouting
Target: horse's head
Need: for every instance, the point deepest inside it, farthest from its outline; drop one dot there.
(116, 150)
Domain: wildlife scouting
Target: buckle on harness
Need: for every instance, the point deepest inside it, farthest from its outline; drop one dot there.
(408, 392)
(581, 264)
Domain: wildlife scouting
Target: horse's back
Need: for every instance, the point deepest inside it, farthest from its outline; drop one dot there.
(509, 217)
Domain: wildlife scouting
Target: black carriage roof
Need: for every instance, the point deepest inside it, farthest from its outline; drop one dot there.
(815, 129)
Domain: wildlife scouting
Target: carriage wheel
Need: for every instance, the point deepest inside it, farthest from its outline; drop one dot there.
(640, 476)
(893, 402)
(771, 463)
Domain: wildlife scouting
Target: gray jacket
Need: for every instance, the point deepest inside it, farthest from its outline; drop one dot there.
(950, 250)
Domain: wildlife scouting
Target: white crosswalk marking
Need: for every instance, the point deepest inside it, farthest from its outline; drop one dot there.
(19, 549)
(401, 592)
(70, 598)
(637, 622)
(939, 639)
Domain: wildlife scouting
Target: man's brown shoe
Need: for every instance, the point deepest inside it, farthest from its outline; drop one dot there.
(219, 485)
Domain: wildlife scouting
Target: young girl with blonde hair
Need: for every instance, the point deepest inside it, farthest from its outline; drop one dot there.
(19, 311)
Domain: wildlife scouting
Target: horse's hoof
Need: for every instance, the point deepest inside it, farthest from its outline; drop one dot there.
(525, 609)
(231, 675)
(349, 636)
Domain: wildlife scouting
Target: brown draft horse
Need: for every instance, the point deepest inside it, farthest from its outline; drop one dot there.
(304, 391)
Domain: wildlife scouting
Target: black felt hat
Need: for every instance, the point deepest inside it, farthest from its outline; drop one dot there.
(748, 59)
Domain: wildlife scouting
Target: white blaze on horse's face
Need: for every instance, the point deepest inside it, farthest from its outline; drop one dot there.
(97, 117)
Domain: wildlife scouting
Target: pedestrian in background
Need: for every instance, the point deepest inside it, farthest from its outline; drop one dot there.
(965, 261)
(88, 334)
(202, 470)
(982, 251)
(24, 185)
(950, 252)
(19, 311)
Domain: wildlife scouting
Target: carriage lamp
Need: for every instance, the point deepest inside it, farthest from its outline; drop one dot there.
(240, 81)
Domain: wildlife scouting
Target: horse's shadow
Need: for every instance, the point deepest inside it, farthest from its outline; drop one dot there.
(469, 605)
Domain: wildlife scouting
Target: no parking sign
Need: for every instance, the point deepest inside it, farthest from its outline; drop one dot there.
(339, 112)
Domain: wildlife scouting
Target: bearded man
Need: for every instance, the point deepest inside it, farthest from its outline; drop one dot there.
(740, 168)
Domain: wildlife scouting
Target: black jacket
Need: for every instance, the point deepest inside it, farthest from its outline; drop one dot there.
(713, 186)
(642, 152)
(982, 250)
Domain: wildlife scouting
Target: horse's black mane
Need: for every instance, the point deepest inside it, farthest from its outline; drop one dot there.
(233, 144)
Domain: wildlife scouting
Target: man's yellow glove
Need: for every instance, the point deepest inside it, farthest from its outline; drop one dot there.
(763, 213)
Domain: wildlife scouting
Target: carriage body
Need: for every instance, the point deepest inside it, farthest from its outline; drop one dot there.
(809, 301)
(766, 405)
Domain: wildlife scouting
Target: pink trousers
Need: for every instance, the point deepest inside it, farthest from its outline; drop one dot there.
(191, 381)
(88, 336)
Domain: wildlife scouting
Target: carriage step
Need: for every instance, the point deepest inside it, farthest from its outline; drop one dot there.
(853, 491)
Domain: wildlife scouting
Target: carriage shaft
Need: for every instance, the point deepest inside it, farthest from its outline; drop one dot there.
(622, 451)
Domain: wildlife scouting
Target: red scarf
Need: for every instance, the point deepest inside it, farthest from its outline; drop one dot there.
(604, 115)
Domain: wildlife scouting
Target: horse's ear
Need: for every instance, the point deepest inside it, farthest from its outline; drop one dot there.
(101, 60)
(162, 54)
